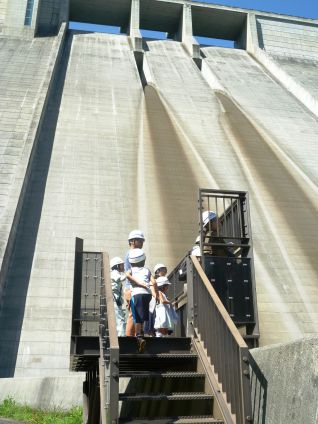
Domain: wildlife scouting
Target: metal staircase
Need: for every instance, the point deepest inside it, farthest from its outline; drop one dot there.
(205, 375)
(163, 384)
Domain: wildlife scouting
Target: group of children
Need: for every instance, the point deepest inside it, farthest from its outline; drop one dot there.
(140, 300)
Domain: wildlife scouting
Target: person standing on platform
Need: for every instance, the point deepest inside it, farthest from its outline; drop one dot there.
(160, 270)
(118, 276)
(143, 288)
(136, 240)
(166, 316)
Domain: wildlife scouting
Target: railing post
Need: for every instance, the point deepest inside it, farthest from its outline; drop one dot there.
(109, 354)
(105, 380)
(190, 293)
(114, 384)
(245, 386)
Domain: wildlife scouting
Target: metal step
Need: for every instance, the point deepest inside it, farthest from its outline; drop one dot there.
(165, 405)
(173, 420)
(156, 345)
(161, 362)
(171, 374)
(165, 396)
(157, 355)
(161, 382)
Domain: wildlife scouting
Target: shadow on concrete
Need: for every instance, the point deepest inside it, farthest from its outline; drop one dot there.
(288, 196)
(20, 263)
(175, 203)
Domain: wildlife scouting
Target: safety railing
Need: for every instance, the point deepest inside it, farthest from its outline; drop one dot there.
(258, 391)
(209, 323)
(109, 350)
(227, 252)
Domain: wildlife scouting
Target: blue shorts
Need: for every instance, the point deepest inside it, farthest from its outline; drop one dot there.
(140, 307)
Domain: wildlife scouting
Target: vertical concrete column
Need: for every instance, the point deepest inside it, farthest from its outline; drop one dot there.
(252, 43)
(3, 7)
(14, 17)
(185, 33)
(134, 25)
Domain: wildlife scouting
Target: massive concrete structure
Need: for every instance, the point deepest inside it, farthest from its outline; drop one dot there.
(103, 133)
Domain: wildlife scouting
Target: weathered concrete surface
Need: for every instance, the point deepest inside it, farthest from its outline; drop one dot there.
(26, 73)
(83, 180)
(268, 125)
(248, 149)
(292, 373)
(288, 49)
(62, 392)
(111, 157)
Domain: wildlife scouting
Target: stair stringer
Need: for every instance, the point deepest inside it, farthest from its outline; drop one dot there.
(221, 408)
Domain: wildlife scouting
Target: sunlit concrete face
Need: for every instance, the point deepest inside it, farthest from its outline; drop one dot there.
(95, 154)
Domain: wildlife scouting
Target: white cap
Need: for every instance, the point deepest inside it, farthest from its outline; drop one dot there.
(158, 266)
(136, 234)
(162, 281)
(115, 261)
(198, 240)
(136, 256)
(208, 216)
(196, 251)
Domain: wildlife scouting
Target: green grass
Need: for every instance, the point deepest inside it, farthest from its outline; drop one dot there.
(11, 409)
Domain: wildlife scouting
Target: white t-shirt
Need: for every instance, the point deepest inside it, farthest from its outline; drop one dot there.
(142, 274)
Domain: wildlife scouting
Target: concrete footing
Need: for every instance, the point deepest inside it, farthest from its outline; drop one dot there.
(63, 392)
(292, 373)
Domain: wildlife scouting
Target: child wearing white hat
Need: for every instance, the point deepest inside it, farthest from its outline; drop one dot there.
(136, 240)
(143, 288)
(166, 316)
(160, 270)
(118, 276)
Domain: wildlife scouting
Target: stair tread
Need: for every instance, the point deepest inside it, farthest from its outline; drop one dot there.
(177, 420)
(156, 344)
(172, 374)
(157, 355)
(165, 396)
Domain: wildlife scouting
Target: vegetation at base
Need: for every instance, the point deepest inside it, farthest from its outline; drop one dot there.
(11, 409)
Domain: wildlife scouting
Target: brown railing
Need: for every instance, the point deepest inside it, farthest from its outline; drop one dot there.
(259, 392)
(228, 354)
(109, 350)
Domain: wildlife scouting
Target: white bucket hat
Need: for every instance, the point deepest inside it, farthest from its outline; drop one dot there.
(136, 256)
(115, 261)
(136, 234)
(163, 281)
(158, 266)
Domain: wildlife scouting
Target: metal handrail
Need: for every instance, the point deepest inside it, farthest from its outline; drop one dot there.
(109, 350)
(228, 352)
(259, 392)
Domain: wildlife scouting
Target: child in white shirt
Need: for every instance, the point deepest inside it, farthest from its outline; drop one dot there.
(143, 288)
(166, 316)
(118, 276)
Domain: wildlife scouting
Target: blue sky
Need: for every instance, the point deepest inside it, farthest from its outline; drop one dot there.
(301, 8)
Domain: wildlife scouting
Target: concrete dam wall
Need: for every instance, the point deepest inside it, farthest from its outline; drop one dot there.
(92, 147)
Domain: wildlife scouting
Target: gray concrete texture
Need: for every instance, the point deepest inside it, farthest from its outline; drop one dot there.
(109, 156)
(47, 393)
(291, 371)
